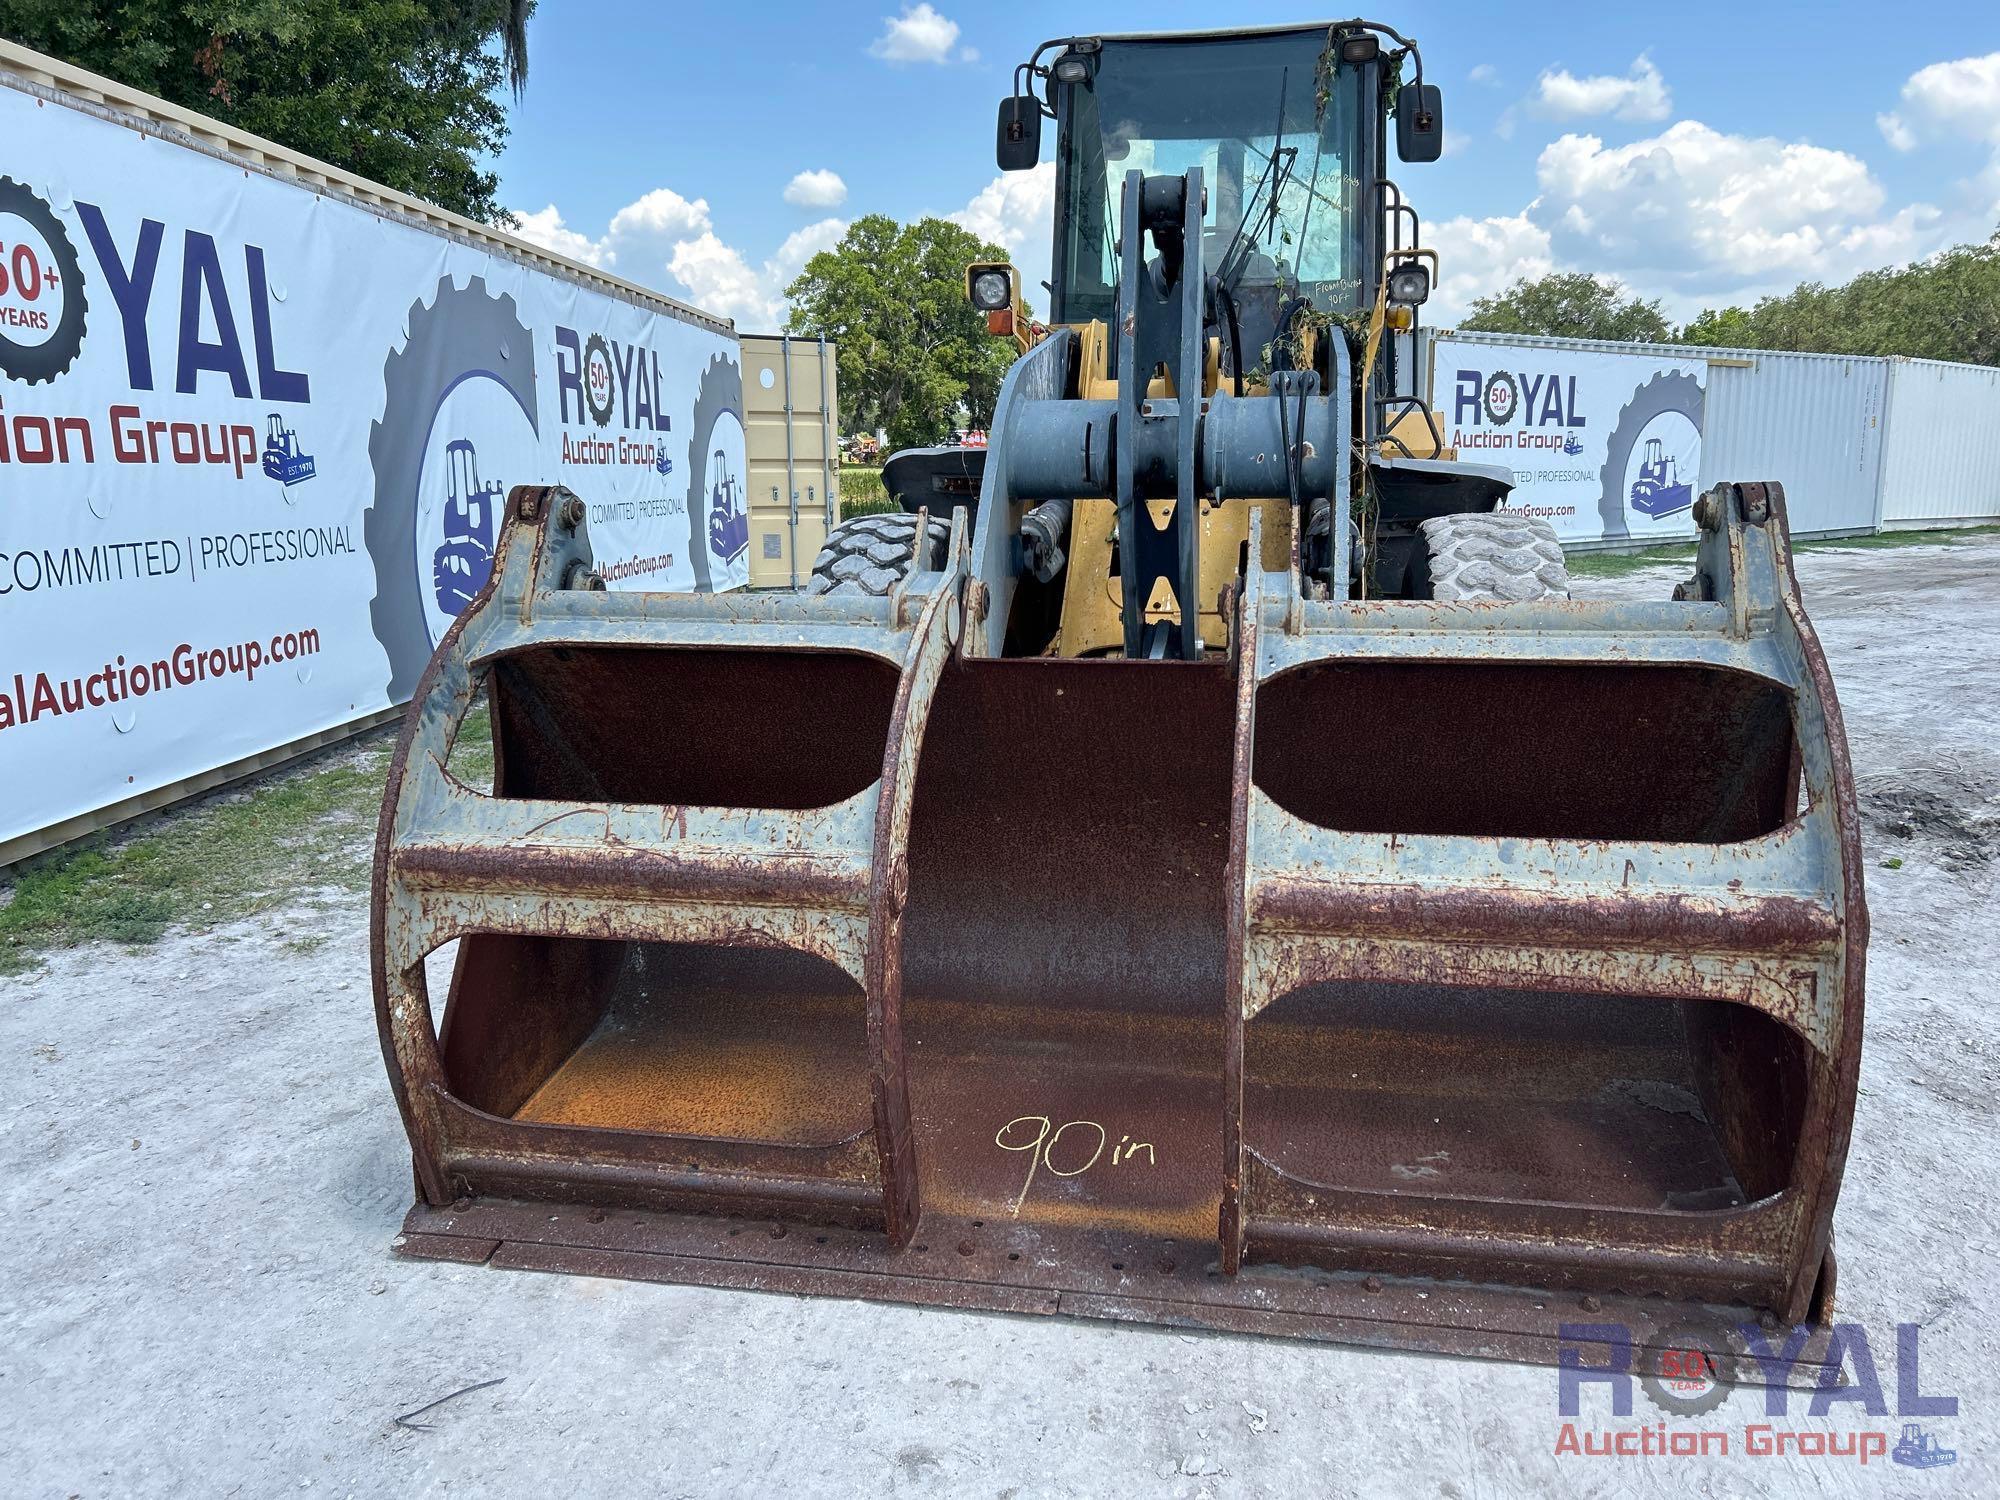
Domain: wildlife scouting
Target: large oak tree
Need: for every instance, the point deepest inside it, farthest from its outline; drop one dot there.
(913, 352)
(402, 92)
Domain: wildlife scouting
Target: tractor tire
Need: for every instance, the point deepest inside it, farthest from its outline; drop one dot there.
(868, 554)
(1496, 557)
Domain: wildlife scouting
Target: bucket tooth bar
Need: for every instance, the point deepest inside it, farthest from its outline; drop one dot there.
(451, 861)
(1775, 922)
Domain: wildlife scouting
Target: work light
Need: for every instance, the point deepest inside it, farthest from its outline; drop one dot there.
(1410, 284)
(990, 291)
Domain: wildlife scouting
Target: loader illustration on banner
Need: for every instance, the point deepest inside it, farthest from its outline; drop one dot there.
(728, 519)
(464, 561)
(466, 364)
(282, 459)
(1653, 454)
(1917, 1449)
(1659, 490)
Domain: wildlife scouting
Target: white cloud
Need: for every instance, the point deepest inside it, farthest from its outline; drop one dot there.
(1694, 207)
(816, 189)
(1895, 132)
(1484, 73)
(1640, 95)
(1954, 101)
(800, 246)
(1011, 206)
(666, 241)
(641, 238)
(1695, 216)
(1954, 98)
(720, 281)
(646, 231)
(1482, 256)
(918, 35)
(545, 227)
(716, 278)
(1016, 210)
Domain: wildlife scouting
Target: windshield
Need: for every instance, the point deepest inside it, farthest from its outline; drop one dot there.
(1248, 112)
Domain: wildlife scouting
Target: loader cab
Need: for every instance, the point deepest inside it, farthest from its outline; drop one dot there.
(1312, 268)
(1289, 127)
(1286, 172)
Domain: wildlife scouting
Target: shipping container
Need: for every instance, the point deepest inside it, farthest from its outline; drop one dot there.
(790, 401)
(1605, 439)
(1941, 464)
(1813, 422)
(1860, 443)
(308, 465)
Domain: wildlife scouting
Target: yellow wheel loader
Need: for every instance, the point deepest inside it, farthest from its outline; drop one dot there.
(1195, 865)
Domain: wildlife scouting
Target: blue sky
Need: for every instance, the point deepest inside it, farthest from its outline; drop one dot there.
(1702, 153)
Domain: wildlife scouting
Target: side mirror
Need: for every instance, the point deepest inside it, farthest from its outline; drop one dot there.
(1018, 142)
(1419, 122)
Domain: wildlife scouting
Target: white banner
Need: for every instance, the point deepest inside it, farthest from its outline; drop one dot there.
(1605, 446)
(254, 444)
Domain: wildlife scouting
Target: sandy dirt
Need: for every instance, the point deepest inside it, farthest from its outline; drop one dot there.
(202, 1171)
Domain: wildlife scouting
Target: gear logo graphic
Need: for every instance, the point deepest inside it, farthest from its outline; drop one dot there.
(1692, 1376)
(597, 379)
(1667, 407)
(42, 303)
(435, 518)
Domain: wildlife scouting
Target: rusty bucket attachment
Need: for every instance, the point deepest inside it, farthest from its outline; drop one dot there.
(1416, 974)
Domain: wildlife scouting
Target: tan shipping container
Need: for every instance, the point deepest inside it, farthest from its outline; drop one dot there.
(792, 448)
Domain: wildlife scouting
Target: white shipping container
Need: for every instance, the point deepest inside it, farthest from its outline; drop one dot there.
(1813, 422)
(1941, 463)
(262, 418)
(1860, 443)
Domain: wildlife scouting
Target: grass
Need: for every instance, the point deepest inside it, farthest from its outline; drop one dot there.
(861, 492)
(1618, 564)
(227, 857)
(1949, 538)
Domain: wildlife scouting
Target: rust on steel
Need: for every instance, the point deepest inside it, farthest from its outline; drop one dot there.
(808, 945)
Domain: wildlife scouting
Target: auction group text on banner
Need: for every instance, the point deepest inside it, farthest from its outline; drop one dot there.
(255, 444)
(1605, 446)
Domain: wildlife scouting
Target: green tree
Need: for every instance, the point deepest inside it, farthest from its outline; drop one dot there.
(1725, 328)
(1570, 305)
(404, 93)
(1947, 307)
(913, 351)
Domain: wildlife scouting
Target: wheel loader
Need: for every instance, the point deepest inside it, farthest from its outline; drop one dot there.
(1195, 865)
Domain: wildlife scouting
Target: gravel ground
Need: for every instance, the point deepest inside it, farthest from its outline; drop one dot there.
(202, 1171)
